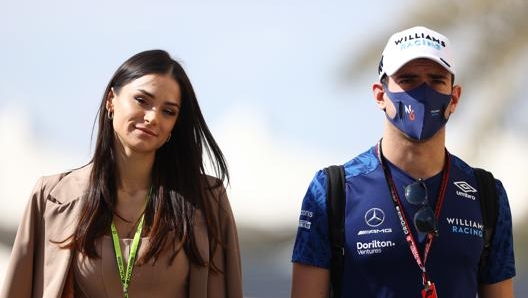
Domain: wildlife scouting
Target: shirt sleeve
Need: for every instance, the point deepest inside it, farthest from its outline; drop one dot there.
(501, 264)
(312, 246)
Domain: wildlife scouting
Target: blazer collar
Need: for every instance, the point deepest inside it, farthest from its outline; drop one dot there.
(72, 185)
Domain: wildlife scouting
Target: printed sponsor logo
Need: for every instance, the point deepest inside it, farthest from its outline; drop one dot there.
(465, 226)
(373, 247)
(409, 110)
(465, 190)
(375, 231)
(419, 38)
(420, 42)
(402, 221)
(305, 224)
(306, 213)
(374, 217)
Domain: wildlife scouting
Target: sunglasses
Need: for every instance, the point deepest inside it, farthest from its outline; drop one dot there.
(424, 218)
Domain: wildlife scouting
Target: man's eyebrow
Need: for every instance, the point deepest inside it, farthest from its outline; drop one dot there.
(406, 76)
(438, 76)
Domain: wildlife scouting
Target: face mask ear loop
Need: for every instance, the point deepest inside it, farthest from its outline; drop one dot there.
(384, 88)
(400, 110)
(444, 108)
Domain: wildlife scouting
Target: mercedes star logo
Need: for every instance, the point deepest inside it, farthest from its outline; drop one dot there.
(374, 217)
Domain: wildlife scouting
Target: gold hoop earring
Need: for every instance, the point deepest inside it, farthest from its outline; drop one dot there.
(110, 114)
(168, 139)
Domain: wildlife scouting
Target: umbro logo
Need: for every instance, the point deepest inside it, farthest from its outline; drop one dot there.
(464, 186)
(466, 189)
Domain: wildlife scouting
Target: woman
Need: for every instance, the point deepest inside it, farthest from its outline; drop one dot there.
(142, 218)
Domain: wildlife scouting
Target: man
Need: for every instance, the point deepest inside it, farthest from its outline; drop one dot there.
(413, 222)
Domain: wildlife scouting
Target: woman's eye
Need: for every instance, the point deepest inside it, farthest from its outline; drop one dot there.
(139, 99)
(170, 112)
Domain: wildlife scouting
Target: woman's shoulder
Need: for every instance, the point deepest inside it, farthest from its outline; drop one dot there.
(65, 186)
(213, 183)
(216, 191)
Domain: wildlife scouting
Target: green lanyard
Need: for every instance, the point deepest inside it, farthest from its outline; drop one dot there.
(125, 277)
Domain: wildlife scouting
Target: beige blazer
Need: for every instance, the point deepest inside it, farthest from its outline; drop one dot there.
(38, 268)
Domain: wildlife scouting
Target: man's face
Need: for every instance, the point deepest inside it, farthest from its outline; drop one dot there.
(419, 71)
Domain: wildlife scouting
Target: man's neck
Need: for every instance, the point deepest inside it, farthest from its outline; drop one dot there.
(419, 159)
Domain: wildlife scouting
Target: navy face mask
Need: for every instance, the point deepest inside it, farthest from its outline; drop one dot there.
(419, 112)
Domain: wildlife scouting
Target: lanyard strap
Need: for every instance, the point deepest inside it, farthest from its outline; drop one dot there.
(401, 215)
(126, 276)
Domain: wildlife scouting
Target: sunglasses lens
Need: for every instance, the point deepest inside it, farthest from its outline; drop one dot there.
(424, 220)
(416, 193)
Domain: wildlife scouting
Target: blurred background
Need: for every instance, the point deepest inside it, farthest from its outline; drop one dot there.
(283, 84)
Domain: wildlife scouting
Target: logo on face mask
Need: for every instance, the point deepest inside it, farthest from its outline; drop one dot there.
(410, 112)
(424, 107)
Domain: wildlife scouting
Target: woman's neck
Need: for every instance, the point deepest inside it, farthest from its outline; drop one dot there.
(133, 182)
(134, 172)
(133, 188)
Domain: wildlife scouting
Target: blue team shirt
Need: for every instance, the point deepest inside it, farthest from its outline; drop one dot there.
(378, 261)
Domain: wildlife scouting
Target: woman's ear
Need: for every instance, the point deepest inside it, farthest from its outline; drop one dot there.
(110, 100)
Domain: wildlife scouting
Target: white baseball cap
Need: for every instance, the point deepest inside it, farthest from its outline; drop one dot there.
(413, 43)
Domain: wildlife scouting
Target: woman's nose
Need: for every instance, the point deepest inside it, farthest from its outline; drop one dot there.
(151, 116)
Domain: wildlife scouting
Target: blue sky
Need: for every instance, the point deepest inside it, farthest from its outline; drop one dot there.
(282, 55)
(268, 75)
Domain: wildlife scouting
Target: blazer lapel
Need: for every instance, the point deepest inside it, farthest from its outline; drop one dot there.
(60, 220)
(198, 276)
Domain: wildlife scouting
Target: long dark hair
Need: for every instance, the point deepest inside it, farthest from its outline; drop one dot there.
(180, 185)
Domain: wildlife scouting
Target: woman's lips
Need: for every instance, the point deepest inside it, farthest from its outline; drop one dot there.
(147, 131)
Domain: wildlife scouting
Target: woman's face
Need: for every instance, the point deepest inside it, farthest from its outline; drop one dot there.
(144, 112)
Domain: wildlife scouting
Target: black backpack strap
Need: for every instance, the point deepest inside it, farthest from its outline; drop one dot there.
(489, 206)
(335, 206)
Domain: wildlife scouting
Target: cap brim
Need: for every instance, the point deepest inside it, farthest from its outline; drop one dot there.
(391, 68)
